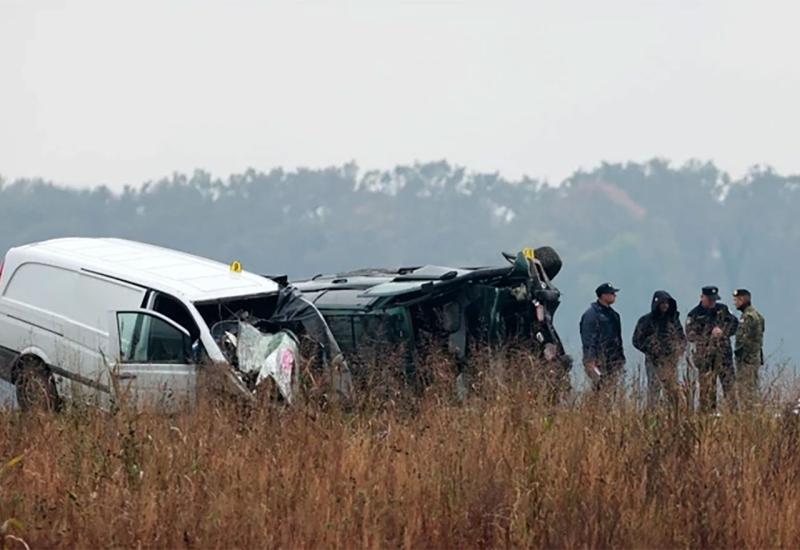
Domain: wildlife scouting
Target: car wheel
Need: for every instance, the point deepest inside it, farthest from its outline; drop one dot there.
(36, 389)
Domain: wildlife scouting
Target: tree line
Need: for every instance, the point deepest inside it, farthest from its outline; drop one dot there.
(644, 226)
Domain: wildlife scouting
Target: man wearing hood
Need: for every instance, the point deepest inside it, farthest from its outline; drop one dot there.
(710, 327)
(659, 335)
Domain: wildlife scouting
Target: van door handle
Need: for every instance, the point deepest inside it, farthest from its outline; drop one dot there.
(125, 376)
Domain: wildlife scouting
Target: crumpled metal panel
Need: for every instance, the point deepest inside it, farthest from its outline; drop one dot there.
(270, 356)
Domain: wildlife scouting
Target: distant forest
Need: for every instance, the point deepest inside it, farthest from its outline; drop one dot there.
(642, 226)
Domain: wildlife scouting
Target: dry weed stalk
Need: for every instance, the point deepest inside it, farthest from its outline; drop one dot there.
(405, 466)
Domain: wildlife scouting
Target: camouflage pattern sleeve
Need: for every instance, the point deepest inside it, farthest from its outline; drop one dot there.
(749, 337)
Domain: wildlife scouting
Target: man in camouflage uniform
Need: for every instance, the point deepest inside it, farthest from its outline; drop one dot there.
(710, 326)
(749, 346)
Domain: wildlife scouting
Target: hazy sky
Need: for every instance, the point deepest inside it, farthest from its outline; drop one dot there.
(110, 92)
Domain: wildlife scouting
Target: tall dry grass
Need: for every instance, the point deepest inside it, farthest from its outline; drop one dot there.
(502, 469)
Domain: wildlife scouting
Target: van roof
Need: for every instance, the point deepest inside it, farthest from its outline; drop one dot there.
(195, 278)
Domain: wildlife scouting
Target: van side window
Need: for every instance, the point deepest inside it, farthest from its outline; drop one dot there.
(170, 307)
(144, 338)
(342, 328)
(354, 331)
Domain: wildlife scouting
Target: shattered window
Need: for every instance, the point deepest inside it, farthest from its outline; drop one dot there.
(257, 307)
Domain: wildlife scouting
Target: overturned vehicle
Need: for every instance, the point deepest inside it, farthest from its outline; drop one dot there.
(101, 320)
(413, 310)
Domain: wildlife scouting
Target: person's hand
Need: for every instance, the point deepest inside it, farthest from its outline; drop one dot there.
(550, 352)
(716, 332)
(592, 370)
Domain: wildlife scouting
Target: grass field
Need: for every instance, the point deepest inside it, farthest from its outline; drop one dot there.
(502, 469)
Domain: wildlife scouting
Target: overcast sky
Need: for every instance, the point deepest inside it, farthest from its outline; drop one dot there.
(119, 93)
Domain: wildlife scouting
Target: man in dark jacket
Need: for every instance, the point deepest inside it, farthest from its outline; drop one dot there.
(601, 335)
(659, 335)
(710, 326)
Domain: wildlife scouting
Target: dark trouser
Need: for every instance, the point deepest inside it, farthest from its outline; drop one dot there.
(608, 381)
(747, 378)
(711, 367)
(662, 380)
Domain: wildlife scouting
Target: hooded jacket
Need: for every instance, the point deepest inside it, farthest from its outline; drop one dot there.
(659, 334)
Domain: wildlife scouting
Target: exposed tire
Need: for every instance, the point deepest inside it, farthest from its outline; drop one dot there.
(36, 388)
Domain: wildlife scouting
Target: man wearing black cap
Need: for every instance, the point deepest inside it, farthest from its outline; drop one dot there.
(749, 346)
(710, 326)
(601, 336)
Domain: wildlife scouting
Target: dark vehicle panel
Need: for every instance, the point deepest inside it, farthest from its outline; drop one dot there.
(452, 308)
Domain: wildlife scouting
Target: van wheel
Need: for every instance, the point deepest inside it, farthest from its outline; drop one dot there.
(36, 389)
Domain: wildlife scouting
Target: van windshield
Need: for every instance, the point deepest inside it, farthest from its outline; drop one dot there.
(255, 309)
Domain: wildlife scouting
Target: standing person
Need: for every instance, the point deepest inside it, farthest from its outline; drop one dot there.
(749, 346)
(659, 335)
(710, 326)
(601, 336)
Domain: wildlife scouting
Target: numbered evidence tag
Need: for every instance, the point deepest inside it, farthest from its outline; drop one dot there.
(236, 266)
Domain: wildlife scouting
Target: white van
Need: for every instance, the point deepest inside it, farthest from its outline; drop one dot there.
(90, 316)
